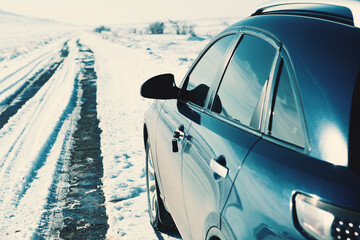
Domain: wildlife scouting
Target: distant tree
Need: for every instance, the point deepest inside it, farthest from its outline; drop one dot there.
(191, 30)
(175, 26)
(157, 28)
(101, 29)
(133, 30)
(182, 28)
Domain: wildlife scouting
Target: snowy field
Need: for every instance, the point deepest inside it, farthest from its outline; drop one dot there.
(36, 137)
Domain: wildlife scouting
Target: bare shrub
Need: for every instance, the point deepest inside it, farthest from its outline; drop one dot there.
(101, 29)
(157, 28)
(182, 28)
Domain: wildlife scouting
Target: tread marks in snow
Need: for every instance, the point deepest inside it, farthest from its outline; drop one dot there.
(31, 87)
(84, 212)
(49, 223)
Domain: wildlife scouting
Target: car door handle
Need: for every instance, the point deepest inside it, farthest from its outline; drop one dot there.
(218, 165)
(179, 133)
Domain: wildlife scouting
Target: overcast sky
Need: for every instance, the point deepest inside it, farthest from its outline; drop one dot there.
(127, 11)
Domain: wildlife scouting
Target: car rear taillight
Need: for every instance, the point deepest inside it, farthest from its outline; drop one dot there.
(321, 220)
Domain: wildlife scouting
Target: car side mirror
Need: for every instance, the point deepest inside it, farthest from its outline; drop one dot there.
(160, 87)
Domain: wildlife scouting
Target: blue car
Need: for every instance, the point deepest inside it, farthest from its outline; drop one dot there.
(261, 139)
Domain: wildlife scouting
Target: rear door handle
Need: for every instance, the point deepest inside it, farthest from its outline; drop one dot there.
(218, 165)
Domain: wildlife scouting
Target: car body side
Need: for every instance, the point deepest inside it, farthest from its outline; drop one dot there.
(324, 58)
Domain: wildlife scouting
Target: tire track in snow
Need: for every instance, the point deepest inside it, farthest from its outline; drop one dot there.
(42, 157)
(37, 61)
(17, 137)
(14, 102)
(84, 211)
(12, 80)
(5, 163)
(51, 220)
(17, 147)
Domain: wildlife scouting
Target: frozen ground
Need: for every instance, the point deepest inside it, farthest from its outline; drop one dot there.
(40, 102)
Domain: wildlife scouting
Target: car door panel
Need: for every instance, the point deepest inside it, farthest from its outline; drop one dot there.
(176, 114)
(205, 192)
(169, 162)
(223, 137)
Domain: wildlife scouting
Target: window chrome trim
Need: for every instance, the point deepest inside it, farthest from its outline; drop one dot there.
(233, 123)
(221, 71)
(284, 144)
(283, 57)
(294, 84)
(193, 105)
(272, 41)
(263, 124)
(184, 82)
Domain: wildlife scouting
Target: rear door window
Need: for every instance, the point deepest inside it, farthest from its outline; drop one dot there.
(286, 123)
(242, 90)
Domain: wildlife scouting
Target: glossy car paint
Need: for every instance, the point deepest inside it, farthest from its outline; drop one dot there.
(261, 201)
(255, 201)
(210, 138)
(325, 58)
(170, 119)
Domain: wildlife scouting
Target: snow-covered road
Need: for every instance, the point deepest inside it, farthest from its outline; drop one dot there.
(35, 138)
(41, 100)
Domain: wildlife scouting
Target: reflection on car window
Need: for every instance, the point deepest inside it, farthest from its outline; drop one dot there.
(204, 73)
(242, 90)
(286, 123)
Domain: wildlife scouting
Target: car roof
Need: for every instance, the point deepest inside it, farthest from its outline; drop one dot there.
(325, 55)
(342, 11)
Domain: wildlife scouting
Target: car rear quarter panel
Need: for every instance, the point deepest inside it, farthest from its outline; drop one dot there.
(261, 201)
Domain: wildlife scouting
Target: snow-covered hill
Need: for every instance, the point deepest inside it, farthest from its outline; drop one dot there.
(20, 34)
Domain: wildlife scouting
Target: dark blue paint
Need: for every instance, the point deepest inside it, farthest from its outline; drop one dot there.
(256, 200)
(326, 60)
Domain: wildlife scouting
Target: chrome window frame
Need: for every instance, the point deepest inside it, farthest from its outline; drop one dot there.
(242, 31)
(229, 51)
(284, 57)
(264, 119)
